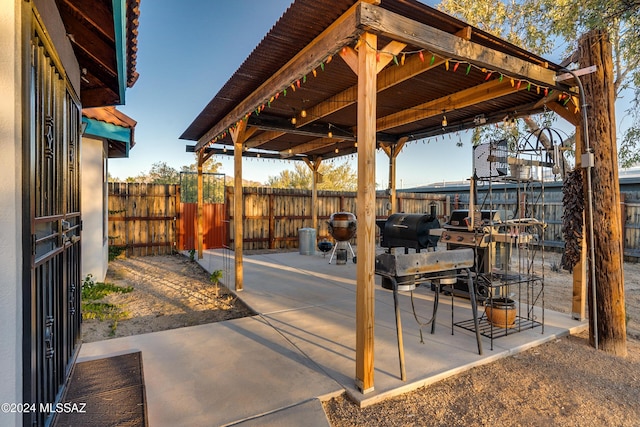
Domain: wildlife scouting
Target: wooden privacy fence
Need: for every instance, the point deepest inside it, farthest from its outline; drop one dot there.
(143, 218)
(272, 217)
(148, 219)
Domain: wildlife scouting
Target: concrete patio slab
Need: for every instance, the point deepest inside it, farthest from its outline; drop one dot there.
(219, 374)
(271, 369)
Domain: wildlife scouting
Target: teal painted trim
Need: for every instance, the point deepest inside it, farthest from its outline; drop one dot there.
(108, 131)
(120, 27)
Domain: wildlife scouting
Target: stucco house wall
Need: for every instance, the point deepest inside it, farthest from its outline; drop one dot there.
(10, 212)
(94, 207)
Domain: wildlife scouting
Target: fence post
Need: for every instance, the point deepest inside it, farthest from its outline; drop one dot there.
(272, 223)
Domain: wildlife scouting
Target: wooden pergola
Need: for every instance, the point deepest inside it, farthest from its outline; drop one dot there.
(338, 77)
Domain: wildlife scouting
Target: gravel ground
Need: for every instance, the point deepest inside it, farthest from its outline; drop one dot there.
(561, 383)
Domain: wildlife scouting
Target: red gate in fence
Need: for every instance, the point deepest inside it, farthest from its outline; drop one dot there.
(214, 226)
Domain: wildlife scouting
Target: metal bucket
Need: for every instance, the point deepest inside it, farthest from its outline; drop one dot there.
(307, 241)
(341, 256)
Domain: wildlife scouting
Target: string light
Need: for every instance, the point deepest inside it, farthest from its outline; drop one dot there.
(297, 83)
(444, 121)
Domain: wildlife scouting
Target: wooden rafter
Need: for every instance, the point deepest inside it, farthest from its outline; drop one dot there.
(386, 79)
(311, 146)
(475, 95)
(337, 35)
(263, 138)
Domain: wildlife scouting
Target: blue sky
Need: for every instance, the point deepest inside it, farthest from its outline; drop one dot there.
(188, 49)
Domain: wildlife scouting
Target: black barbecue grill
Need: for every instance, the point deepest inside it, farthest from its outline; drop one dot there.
(479, 233)
(404, 271)
(408, 231)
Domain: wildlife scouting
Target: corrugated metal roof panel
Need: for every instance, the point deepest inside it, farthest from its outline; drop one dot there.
(301, 24)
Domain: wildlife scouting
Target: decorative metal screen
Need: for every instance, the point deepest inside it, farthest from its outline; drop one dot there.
(212, 187)
(52, 290)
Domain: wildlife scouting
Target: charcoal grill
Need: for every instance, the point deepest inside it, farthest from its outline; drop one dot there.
(434, 267)
(342, 227)
(409, 231)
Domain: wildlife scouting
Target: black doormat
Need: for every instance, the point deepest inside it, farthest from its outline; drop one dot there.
(105, 392)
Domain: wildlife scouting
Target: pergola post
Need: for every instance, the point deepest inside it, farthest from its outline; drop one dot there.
(314, 165)
(238, 137)
(200, 202)
(392, 152)
(366, 213)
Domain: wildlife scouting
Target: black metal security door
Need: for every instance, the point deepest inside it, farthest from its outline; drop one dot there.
(51, 292)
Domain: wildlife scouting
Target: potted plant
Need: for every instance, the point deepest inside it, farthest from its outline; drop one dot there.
(501, 312)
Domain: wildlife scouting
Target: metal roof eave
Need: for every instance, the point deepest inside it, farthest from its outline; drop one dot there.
(120, 28)
(109, 131)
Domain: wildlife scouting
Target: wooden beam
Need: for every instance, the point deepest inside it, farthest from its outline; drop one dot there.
(350, 57)
(386, 79)
(337, 35)
(271, 123)
(386, 55)
(567, 112)
(366, 213)
(263, 138)
(316, 144)
(238, 135)
(397, 27)
(481, 93)
(393, 151)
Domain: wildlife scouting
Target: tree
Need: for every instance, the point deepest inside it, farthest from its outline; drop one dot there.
(603, 21)
(210, 166)
(334, 177)
(213, 182)
(540, 25)
(162, 173)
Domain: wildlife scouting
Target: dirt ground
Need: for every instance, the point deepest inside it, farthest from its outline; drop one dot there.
(563, 383)
(169, 291)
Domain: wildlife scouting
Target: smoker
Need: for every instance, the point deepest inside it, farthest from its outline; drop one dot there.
(404, 271)
(407, 231)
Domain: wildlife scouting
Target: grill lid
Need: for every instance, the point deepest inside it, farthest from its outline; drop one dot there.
(461, 220)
